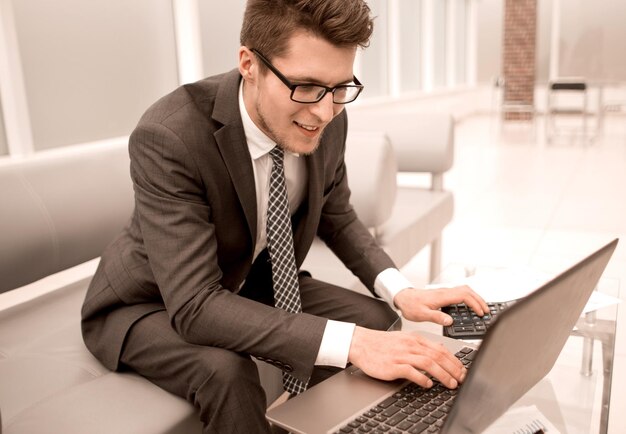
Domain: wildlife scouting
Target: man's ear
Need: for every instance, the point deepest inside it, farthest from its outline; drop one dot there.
(247, 65)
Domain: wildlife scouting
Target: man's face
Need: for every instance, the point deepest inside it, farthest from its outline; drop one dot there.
(294, 126)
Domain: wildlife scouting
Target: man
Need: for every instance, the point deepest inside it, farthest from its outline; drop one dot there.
(194, 287)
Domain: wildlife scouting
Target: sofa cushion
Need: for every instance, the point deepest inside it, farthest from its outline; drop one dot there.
(51, 383)
(419, 217)
(112, 403)
(370, 160)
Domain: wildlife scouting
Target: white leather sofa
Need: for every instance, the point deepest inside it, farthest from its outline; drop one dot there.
(61, 209)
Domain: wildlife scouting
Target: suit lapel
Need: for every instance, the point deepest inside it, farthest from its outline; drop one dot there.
(231, 141)
(307, 227)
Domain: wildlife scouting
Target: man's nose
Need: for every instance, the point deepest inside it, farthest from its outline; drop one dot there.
(324, 109)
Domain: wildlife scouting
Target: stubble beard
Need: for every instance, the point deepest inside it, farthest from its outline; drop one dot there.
(276, 137)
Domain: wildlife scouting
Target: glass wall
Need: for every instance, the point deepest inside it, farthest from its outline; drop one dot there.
(460, 55)
(4, 147)
(91, 68)
(220, 23)
(374, 61)
(592, 40)
(439, 41)
(410, 48)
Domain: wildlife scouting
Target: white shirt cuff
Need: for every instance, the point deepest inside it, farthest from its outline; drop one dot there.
(389, 283)
(335, 345)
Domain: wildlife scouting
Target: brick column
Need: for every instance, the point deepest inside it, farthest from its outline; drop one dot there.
(520, 25)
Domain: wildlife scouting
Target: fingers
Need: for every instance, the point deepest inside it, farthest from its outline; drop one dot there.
(474, 301)
(392, 355)
(437, 317)
(465, 294)
(410, 373)
(436, 361)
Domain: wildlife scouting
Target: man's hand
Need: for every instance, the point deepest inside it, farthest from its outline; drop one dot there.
(424, 305)
(393, 355)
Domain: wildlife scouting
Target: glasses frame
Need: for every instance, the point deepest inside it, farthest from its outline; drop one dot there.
(293, 86)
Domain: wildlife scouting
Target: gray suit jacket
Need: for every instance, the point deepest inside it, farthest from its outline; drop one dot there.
(190, 242)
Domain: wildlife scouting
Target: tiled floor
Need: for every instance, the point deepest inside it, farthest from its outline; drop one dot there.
(520, 201)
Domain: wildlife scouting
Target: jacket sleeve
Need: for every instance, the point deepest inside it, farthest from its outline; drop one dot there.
(344, 233)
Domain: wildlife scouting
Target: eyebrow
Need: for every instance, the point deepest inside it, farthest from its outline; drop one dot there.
(311, 80)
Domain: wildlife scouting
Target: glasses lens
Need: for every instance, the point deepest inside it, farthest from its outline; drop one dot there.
(308, 93)
(345, 94)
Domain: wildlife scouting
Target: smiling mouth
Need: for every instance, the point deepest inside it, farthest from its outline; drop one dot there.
(309, 128)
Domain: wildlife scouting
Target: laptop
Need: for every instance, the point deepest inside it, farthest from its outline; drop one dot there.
(515, 354)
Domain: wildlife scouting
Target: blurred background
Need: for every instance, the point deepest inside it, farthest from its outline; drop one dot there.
(74, 72)
(537, 89)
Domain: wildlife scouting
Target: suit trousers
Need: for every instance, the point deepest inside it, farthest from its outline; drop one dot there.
(223, 385)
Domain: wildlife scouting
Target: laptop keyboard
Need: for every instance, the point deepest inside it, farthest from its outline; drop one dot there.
(467, 324)
(412, 409)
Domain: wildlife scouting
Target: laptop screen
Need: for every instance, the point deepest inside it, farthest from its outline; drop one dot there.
(523, 345)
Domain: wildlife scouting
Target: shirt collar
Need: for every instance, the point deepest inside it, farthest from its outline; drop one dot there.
(258, 142)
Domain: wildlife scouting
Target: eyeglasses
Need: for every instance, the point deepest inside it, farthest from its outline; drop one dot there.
(309, 93)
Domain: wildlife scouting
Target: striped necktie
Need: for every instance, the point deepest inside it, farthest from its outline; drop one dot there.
(280, 246)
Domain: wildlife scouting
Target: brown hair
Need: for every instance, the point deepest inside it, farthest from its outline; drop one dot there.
(268, 24)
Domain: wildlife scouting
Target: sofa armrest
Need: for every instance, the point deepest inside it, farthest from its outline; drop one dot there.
(422, 142)
(371, 167)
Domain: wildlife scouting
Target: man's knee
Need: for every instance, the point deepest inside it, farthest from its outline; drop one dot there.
(228, 369)
(227, 381)
(228, 393)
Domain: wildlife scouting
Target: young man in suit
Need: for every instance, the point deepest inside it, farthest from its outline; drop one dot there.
(187, 294)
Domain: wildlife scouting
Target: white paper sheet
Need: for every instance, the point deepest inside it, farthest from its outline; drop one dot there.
(522, 420)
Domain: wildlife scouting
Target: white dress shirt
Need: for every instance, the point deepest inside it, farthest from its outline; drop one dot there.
(337, 336)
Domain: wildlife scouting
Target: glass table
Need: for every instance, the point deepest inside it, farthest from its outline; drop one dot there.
(575, 395)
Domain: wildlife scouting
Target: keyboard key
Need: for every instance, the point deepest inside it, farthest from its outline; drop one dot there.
(390, 411)
(419, 428)
(412, 409)
(404, 425)
(396, 419)
(387, 402)
(429, 420)
(467, 324)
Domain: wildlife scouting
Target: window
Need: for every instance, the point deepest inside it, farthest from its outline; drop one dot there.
(373, 73)
(4, 147)
(439, 43)
(460, 55)
(410, 39)
(91, 68)
(88, 70)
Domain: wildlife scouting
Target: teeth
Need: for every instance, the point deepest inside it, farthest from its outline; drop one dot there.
(306, 127)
